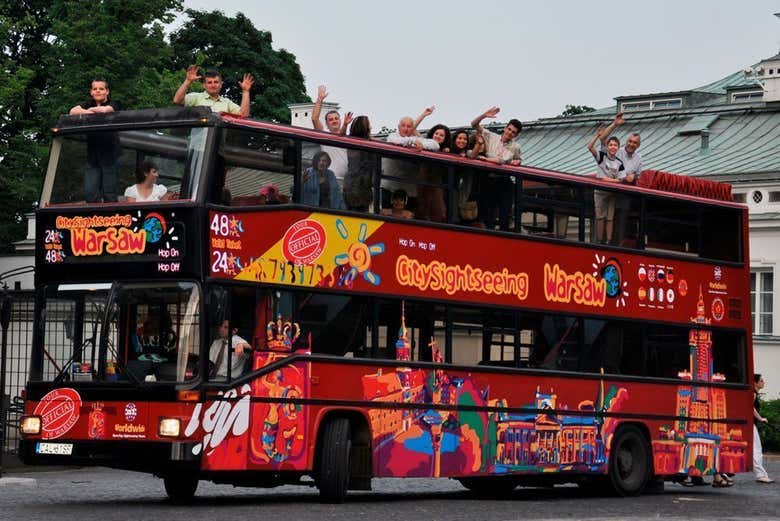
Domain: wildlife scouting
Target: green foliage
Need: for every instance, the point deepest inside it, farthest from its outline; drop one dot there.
(234, 46)
(770, 438)
(573, 110)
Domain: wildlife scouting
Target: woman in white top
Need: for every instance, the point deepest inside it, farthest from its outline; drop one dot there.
(146, 189)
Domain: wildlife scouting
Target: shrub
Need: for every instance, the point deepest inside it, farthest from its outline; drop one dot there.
(770, 438)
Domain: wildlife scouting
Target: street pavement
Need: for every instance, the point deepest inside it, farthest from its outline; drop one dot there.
(102, 495)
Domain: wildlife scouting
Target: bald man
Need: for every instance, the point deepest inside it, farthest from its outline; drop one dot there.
(408, 137)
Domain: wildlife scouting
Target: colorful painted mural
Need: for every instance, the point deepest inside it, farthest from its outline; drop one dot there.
(704, 444)
(436, 431)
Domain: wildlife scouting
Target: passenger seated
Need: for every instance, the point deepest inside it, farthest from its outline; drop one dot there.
(399, 210)
(145, 188)
(269, 194)
(218, 353)
(320, 187)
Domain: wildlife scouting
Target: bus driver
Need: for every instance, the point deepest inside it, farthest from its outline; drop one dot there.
(218, 353)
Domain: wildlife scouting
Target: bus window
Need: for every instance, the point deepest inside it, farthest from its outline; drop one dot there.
(400, 177)
(558, 344)
(671, 226)
(721, 234)
(728, 355)
(550, 209)
(258, 169)
(615, 347)
(323, 168)
(626, 225)
(104, 166)
(668, 351)
(71, 316)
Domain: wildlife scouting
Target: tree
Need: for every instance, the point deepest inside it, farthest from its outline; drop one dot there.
(50, 51)
(574, 110)
(234, 46)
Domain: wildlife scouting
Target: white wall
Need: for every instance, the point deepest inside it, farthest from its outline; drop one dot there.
(765, 255)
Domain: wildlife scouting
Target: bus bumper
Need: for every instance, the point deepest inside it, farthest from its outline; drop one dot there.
(131, 455)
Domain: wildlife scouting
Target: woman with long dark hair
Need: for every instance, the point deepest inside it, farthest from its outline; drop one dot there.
(430, 199)
(320, 187)
(361, 170)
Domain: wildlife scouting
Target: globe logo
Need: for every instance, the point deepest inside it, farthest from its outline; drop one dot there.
(611, 274)
(154, 224)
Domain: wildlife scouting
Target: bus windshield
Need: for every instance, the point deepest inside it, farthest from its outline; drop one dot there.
(109, 166)
(138, 333)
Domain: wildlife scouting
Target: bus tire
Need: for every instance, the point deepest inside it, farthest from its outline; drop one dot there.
(630, 464)
(490, 486)
(180, 487)
(334, 460)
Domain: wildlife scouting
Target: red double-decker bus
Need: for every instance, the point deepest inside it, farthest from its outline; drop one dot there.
(230, 332)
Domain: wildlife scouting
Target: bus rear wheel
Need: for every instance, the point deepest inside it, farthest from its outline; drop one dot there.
(334, 460)
(630, 465)
(180, 487)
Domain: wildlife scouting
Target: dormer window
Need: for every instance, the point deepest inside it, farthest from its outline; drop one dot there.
(660, 104)
(747, 96)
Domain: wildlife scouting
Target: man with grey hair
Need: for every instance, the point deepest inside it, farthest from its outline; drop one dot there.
(628, 154)
(406, 136)
(632, 163)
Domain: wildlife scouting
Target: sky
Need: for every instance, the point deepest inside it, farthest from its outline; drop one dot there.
(531, 58)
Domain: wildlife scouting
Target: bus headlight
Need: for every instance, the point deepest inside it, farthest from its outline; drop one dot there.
(169, 427)
(30, 425)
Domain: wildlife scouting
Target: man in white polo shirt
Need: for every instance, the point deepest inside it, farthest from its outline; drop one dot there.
(211, 96)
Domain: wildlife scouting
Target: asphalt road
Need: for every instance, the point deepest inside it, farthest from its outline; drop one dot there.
(103, 495)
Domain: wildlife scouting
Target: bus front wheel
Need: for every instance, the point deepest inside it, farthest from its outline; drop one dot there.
(630, 466)
(180, 487)
(334, 460)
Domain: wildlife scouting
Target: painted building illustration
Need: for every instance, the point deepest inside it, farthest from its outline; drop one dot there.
(699, 442)
(437, 432)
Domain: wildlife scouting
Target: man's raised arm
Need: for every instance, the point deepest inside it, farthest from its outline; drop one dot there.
(605, 132)
(489, 113)
(322, 93)
(424, 114)
(181, 92)
(246, 87)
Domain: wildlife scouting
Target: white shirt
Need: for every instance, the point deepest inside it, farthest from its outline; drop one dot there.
(494, 147)
(236, 361)
(158, 191)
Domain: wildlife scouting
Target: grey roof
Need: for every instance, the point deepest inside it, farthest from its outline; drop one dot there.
(743, 139)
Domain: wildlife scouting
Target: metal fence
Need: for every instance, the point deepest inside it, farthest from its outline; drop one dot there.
(20, 332)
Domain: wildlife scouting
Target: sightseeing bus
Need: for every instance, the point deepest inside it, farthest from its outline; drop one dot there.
(229, 332)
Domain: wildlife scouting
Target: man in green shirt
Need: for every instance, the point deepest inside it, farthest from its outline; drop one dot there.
(211, 96)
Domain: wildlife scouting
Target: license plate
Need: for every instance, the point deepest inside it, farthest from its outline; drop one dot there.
(60, 449)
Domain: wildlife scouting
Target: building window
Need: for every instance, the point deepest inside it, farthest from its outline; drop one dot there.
(674, 103)
(628, 107)
(739, 198)
(667, 104)
(758, 196)
(761, 293)
(774, 197)
(747, 97)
